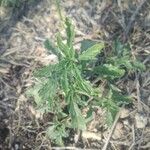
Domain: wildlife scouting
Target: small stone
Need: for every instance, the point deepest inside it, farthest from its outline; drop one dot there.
(124, 113)
(118, 132)
(126, 122)
(91, 135)
(140, 120)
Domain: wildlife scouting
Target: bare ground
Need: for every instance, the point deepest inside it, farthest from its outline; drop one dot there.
(22, 50)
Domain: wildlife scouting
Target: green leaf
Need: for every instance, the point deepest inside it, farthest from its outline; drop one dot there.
(118, 98)
(56, 133)
(49, 89)
(109, 71)
(70, 32)
(123, 61)
(139, 65)
(109, 118)
(50, 47)
(81, 84)
(76, 117)
(121, 49)
(33, 92)
(44, 71)
(91, 52)
(89, 116)
(63, 47)
(111, 110)
(88, 87)
(64, 81)
(118, 48)
(85, 44)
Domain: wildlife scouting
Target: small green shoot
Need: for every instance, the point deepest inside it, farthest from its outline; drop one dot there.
(65, 89)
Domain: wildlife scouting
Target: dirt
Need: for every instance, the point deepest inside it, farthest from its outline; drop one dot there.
(22, 34)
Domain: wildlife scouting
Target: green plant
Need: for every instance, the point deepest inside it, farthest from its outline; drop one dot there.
(65, 88)
(12, 3)
(122, 57)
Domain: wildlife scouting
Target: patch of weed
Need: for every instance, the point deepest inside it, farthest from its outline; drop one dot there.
(65, 89)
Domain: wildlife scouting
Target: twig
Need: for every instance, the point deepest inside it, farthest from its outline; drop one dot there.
(67, 148)
(141, 140)
(126, 143)
(138, 92)
(112, 130)
(146, 146)
(122, 22)
(132, 19)
(133, 135)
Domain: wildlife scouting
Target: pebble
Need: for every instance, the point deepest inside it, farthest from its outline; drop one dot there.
(91, 135)
(140, 121)
(124, 113)
(118, 132)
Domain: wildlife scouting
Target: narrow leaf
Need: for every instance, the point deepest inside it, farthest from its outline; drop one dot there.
(77, 119)
(56, 133)
(139, 65)
(109, 71)
(70, 32)
(50, 47)
(63, 47)
(85, 44)
(91, 52)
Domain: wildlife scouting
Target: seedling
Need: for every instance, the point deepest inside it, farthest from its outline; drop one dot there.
(65, 88)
